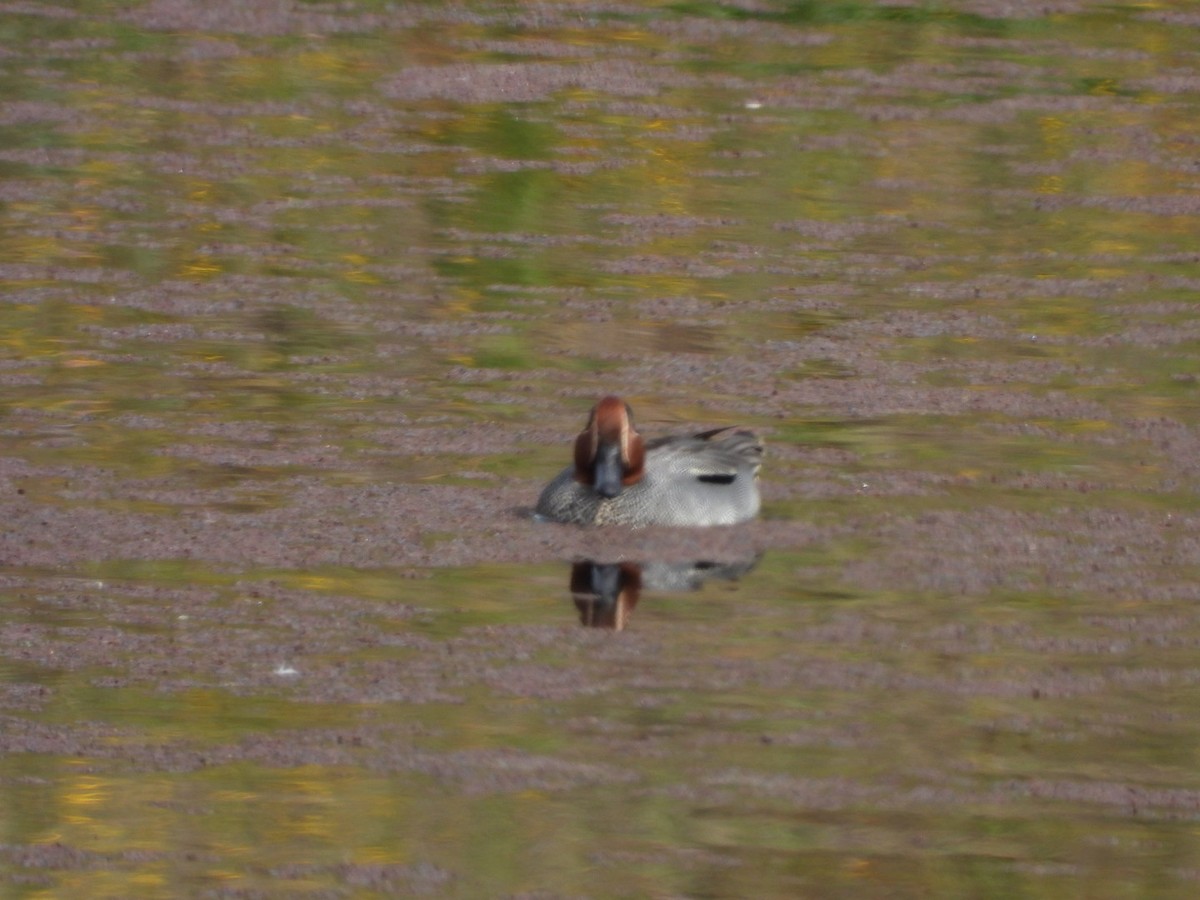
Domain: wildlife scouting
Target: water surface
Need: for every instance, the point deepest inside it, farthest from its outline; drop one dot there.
(302, 304)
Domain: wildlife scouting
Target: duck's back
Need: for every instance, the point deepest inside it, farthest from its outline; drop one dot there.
(705, 479)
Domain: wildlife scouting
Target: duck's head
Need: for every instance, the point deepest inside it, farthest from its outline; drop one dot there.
(609, 454)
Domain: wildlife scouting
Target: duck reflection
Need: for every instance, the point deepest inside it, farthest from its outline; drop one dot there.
(605, 594)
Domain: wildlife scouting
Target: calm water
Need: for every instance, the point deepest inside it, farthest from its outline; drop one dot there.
(302, 303)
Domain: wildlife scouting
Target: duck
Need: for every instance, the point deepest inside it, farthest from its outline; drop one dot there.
(709, 478)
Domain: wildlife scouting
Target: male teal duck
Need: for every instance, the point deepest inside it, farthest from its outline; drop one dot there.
(710, 478)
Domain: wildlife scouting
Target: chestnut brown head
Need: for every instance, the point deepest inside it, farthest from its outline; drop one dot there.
(609, 454)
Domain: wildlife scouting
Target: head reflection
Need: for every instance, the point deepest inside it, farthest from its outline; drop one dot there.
(605, 594)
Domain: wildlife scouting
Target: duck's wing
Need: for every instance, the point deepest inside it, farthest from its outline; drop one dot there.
(717, 456)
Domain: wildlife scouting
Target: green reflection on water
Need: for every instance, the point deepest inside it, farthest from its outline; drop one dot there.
(795, 775)
(817, 12)
(208, 233)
